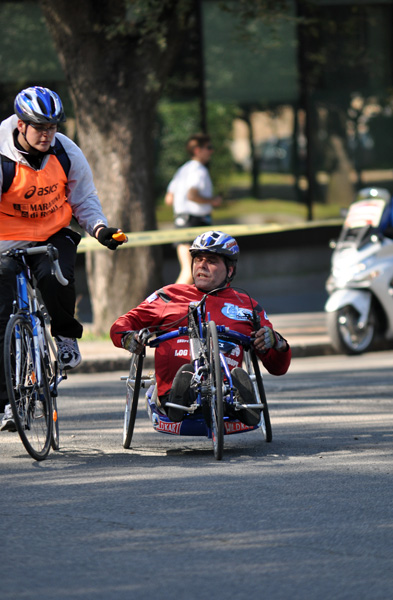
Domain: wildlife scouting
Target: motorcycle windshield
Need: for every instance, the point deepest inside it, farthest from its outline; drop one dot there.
(365, 213)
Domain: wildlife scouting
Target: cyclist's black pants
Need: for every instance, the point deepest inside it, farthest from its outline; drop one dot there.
(59, 299)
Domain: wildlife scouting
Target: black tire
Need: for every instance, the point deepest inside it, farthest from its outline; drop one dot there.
(30, 399)
(55, 439)
(216, 400)
(252, 367)
(52, 369)
(132, 398)
(52, 375)
(345, 334)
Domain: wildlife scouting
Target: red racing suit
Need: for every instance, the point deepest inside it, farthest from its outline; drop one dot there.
(169, 304)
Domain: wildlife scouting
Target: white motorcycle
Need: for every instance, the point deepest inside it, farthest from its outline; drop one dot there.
(360, 305)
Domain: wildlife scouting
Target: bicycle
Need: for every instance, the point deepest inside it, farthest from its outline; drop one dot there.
(212, 382)
(30, 359)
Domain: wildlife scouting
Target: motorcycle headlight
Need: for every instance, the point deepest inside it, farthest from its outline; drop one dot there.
(361, 275)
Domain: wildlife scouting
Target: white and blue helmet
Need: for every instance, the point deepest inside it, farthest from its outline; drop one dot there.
(220, 243)
(39, 105)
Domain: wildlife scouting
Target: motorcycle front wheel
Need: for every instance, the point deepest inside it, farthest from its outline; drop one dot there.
(345, 332)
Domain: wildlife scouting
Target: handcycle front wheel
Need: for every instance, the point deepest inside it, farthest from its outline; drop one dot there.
(132, 398)
(254, 372)
(216, 399)
(28, 392)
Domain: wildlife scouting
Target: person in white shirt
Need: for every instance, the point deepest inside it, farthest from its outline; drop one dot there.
(190, 192)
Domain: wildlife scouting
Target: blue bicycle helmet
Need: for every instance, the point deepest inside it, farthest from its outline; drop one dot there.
(39, 105)
(218, 243)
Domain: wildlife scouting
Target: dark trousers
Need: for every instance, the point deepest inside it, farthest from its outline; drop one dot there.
(59, 299)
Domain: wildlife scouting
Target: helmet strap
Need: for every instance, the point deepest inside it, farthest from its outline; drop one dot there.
(31, 149)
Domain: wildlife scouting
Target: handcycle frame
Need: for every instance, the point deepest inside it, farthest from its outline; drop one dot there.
(212, 382)
(30, 359)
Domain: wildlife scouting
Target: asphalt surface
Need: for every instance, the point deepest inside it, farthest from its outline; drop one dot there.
(305, 332)
(306, 517)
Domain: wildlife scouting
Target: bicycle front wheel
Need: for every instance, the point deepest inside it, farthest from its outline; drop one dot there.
(132, 397)
(28, 393)
(215, 384)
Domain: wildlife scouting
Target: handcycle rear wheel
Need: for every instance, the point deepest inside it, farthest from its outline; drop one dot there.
(132, 397)
(254, 372)
(29, 397)
(216, 400)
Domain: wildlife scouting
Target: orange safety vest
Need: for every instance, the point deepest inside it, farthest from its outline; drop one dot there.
(35, 205)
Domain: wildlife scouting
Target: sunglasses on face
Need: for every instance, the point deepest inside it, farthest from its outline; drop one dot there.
(43, 128)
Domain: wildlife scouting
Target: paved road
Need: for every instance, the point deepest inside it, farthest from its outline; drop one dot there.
(308, 516)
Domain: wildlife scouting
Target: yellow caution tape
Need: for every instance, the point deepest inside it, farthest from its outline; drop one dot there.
(170, 236)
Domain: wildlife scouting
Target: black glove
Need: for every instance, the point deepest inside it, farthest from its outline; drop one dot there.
(131, 342)
(104, 236)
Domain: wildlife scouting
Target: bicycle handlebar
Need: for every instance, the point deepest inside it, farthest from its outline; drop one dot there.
(52, 254)
(227, 333)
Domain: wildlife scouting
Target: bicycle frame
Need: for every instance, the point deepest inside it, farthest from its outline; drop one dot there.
(28, 304)
(198, 357)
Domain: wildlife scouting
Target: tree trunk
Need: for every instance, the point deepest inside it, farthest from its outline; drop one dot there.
(115, 83)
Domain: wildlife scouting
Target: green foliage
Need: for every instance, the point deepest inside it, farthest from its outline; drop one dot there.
(149, 21)
(27, 55)
(177, 121)
(260, 211)
(26, 48)
(220, 123)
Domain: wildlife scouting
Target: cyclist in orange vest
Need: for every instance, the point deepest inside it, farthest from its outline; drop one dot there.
(44, 181)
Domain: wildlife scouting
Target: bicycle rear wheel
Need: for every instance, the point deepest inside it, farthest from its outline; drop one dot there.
(52, 371)
(216, 400)
(132, 397)
(55, 439)
(252, 366)
(30, 398)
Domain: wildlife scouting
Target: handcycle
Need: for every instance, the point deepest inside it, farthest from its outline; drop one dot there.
(30, 359)
(212, 382)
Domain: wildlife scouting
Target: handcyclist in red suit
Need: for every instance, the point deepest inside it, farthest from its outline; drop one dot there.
(214, 258)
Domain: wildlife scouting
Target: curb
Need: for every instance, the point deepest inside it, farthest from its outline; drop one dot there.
(307, 350)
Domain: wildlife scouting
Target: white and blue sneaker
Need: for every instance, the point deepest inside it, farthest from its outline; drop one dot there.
(8, 422)
(68, 354)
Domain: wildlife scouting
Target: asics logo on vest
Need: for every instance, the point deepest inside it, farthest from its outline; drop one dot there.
(42, 191)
